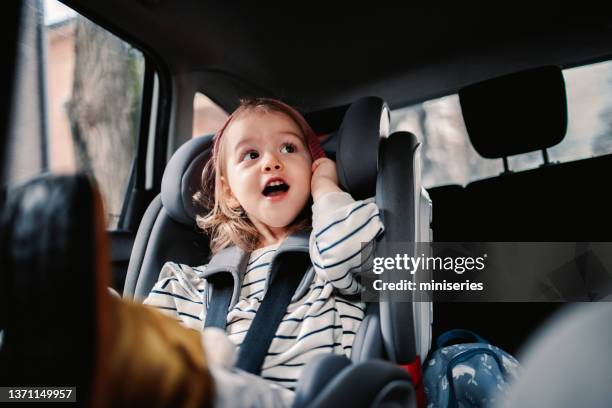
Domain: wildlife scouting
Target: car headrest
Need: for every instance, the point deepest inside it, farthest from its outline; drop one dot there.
(354, 146)
(364, 123)
(516, 113)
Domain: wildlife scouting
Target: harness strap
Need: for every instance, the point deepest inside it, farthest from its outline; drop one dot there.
(287, 276)
(290, 267)
(222, 286)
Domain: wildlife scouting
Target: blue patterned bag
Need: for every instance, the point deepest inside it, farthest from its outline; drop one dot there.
(471, 374)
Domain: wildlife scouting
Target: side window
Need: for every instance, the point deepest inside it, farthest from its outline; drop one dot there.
(86, 102)
(208, 117)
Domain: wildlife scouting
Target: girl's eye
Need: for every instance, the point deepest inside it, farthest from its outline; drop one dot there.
(288, 148)
(250, 155)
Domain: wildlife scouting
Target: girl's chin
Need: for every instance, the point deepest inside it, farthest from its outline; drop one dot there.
(277, 224)
(270, 222)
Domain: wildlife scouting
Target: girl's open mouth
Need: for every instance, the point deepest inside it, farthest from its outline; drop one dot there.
(275, 189)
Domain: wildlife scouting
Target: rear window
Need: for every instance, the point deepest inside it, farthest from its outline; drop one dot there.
(208, 117)
(449, 158)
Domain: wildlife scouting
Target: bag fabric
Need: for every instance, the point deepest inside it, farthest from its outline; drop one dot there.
(470, 374)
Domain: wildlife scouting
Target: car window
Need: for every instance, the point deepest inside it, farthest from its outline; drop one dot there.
(88, 99)
(589, 107)
(449, 158)
(208, 117)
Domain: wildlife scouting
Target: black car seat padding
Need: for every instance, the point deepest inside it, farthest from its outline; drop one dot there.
(371, 383)
(182, 179)
(167, 231)
(396, 181)
(358, 138)
(316, 375)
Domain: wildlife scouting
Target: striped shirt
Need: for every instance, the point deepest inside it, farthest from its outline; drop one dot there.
(324, 320)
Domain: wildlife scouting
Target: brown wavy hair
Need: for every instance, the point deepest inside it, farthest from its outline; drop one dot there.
(231, 226)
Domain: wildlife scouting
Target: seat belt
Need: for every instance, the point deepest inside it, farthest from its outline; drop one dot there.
(216, 315)
(287, 270)
(286, 277)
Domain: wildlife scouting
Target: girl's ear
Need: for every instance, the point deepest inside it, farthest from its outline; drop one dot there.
(228, 195)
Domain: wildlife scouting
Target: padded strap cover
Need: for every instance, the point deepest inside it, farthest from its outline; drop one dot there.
(233, 260)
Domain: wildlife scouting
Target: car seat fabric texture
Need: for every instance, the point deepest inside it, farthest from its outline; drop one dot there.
(325, 320)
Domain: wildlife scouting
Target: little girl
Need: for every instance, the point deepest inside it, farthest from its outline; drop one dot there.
(266, 167)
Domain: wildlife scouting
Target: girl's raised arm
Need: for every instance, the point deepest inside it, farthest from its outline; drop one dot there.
(341, 226)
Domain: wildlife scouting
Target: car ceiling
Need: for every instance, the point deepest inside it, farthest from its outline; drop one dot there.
(315, 56)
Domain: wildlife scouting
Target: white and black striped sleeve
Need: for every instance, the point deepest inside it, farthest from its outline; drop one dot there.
(178, 294)
(340, 226)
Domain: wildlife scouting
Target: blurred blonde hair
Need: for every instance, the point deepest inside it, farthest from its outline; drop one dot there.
(231, 226)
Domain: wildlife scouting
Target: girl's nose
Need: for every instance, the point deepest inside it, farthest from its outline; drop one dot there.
(272, 163)
(276, 166)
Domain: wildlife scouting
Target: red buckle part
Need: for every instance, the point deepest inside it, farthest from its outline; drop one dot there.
(416, 373)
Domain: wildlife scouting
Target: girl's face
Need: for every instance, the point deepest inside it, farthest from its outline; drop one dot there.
(267, 167)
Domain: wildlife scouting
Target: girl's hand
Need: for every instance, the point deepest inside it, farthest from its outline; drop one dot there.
(324, 178)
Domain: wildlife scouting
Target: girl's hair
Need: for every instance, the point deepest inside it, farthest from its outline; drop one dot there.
(231, 226)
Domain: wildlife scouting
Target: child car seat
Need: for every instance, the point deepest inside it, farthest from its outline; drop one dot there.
(369, 164)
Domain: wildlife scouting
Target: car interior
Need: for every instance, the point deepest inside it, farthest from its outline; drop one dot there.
(346, 70)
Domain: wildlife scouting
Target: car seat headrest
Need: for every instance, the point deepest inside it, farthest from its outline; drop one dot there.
(516, 113)
(365, 122)
(182, 179)
(354, 145)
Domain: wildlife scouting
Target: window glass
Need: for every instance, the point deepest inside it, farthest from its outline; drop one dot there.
(208, 117)
(449, 158)
(93, 87)
(589, 107)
